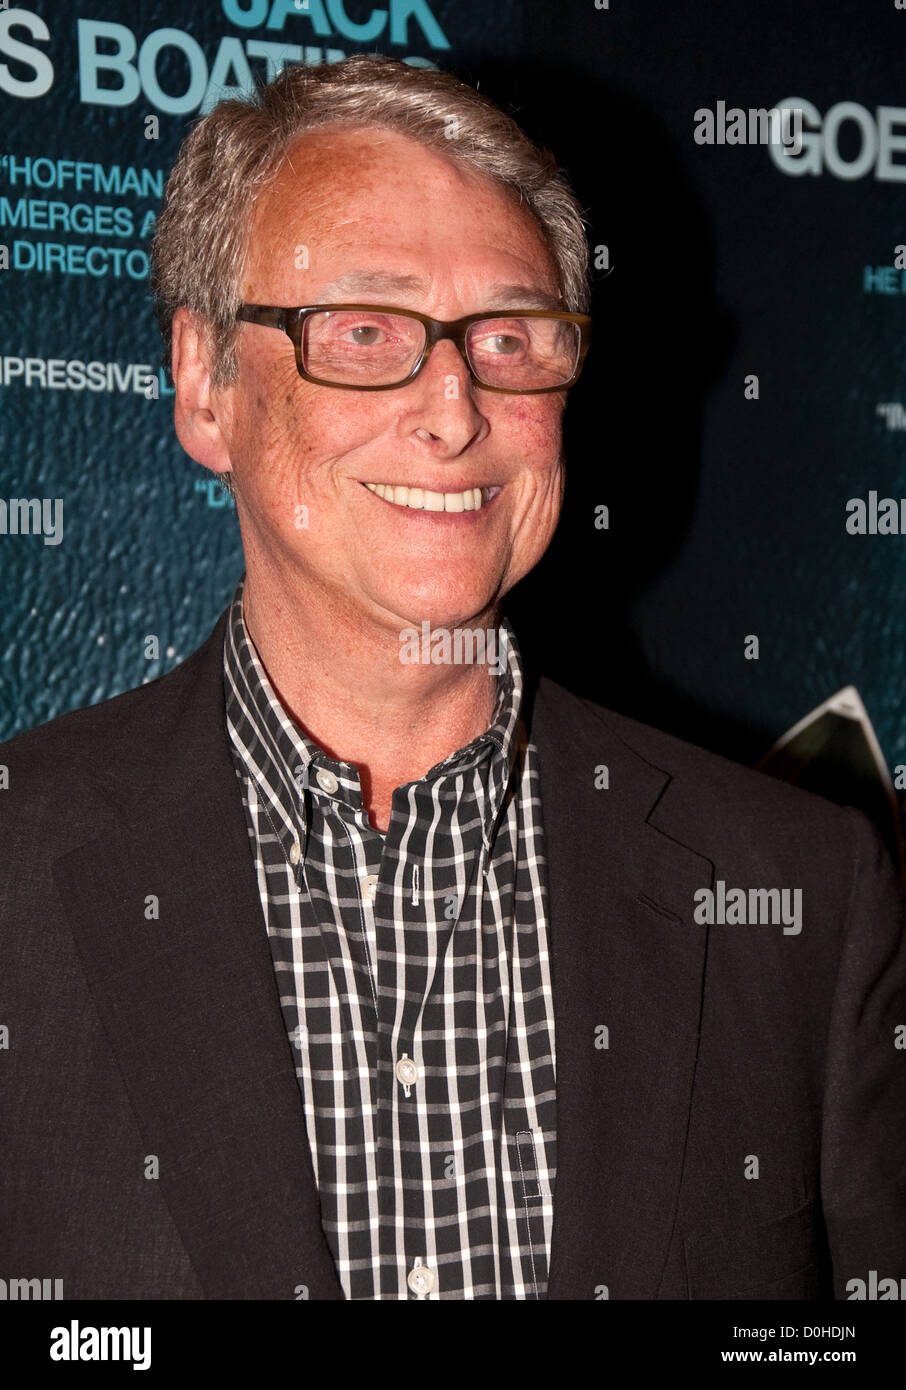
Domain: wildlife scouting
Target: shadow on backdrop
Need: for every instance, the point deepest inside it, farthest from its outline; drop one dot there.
(632, 429)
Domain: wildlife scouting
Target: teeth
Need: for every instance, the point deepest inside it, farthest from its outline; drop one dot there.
(420, 500)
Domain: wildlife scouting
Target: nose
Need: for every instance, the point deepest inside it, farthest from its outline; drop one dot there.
(450, 359)
(444, 408)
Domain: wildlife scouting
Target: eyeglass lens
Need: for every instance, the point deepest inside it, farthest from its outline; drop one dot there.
(373, 348)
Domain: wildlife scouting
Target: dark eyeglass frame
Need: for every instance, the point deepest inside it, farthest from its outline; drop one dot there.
(292, 322)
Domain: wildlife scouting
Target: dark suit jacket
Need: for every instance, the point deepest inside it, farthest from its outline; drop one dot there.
(131, 1037)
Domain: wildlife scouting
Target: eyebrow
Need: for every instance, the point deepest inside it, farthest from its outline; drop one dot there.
(499, 296)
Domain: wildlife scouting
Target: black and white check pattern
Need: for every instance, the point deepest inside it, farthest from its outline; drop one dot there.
(425, 946)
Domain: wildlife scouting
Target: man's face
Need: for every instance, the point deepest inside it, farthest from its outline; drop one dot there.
(369, 207)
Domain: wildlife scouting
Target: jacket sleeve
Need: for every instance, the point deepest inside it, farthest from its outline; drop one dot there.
(863, 1158)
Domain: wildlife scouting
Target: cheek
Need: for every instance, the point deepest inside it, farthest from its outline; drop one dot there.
(317, 426)
(265, 417)
(533, 441)
(533, 428)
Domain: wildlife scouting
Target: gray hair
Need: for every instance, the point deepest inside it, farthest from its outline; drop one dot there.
(200, 245)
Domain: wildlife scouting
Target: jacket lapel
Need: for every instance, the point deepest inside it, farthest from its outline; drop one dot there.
(188, 998)
(626, 954)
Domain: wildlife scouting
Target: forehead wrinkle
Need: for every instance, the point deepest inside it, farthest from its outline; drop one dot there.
(376, 281)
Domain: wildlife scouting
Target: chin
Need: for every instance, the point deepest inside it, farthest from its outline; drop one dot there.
(440, 611)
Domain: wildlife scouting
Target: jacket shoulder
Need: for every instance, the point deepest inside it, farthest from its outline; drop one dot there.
(58, 771)
(707, 787)
(80, 731)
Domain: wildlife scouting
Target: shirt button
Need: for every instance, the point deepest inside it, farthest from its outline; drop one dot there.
(420, 1278)
(406, 1073)
(369, 886)
(295, 853)
(326, 780)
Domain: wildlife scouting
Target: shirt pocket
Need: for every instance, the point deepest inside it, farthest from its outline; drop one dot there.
(778, 1258)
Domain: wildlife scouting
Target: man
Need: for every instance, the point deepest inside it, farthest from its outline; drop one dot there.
(338, 967)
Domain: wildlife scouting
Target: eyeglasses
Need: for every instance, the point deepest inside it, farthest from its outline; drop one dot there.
(363, 347)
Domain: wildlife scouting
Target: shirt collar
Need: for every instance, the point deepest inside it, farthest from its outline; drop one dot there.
(282, 760)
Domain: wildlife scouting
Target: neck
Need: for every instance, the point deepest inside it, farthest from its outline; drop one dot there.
(342, 682)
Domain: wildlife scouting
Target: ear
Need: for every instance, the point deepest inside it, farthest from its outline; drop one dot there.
(198, 411)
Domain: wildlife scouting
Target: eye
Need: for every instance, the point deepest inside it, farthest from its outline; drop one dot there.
(365, 334)
(505, 342)
(500, 344)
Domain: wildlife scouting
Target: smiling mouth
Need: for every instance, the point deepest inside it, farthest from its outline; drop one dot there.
(470, 499)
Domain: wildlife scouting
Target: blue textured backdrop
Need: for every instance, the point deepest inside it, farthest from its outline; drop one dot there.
(727, 515)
